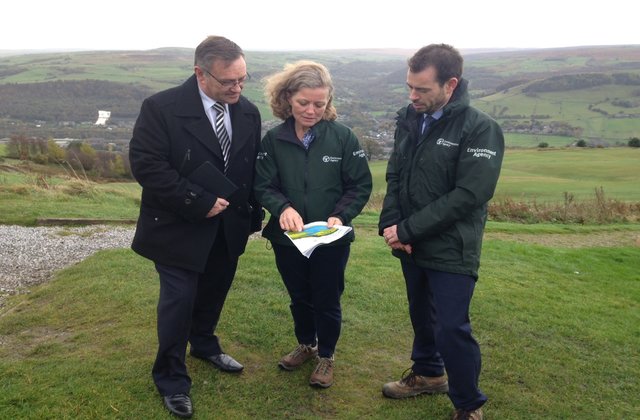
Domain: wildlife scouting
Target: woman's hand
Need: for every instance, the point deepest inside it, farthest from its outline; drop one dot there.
(291, 220)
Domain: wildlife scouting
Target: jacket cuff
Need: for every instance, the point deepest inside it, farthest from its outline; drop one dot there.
(195, 207)
(404, 233)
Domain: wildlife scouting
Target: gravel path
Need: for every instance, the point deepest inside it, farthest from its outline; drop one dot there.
(31, 255)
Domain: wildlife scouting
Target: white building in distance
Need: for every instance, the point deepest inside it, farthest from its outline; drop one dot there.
(103, 116)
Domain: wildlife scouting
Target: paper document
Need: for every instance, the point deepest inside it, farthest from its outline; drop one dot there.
(315, 234)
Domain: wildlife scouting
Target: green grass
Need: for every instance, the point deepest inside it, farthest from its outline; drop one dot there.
(45, 192)
(555, 228)
(518, 140)
(558, 329)
(545, 175)
(26, 203)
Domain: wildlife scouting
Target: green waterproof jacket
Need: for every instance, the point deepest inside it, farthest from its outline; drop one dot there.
(331, 178)
(439, 183)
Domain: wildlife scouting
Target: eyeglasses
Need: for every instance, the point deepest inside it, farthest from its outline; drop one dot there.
(228, 84)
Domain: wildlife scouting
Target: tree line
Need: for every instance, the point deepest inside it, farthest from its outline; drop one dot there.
(80, 158)
(581, 81)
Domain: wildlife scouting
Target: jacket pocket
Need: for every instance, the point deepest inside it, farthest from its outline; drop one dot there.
(470, 240)
(157, 216)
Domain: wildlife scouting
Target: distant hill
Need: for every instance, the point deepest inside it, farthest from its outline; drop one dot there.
(581, 92)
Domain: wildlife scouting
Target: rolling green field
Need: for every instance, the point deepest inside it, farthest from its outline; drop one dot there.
(545, 175)
(575, 108)
(370, 86)
(158, 69)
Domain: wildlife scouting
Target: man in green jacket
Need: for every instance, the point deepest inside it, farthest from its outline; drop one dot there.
(442, 172)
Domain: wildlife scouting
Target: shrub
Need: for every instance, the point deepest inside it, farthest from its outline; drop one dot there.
(634, 142)
(543, 144)
(599, 210)
(40, 158)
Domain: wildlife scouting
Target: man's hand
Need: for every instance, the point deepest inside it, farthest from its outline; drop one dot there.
(390, 235)
(220, 206)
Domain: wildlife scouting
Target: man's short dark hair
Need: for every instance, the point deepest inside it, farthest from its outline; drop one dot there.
(215, 48)
(446, 60)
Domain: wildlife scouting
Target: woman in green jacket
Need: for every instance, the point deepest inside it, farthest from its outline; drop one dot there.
(310, 168)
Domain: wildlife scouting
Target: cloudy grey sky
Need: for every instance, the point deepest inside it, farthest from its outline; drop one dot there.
(306, 25)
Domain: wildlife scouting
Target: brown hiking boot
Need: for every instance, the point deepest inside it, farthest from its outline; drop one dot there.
(322, 375)
(298, 356)
(461, 414)
(411, 385)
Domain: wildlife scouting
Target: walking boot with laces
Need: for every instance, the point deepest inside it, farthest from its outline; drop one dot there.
(322, 375)
(461, 414)
(298, 356)
(412, 384)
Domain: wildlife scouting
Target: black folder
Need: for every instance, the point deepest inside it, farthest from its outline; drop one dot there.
(211, 179)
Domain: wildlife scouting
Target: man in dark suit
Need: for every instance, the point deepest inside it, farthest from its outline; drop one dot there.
(195, 219)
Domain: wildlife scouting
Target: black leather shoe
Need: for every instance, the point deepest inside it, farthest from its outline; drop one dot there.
(224, 362)
(179, 404)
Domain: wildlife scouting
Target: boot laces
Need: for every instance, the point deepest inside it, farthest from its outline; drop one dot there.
(324, 364)
(408, 377)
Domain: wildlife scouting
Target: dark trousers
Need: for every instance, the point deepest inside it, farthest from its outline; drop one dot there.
(439, 310)
(315, 286)
(189, 308)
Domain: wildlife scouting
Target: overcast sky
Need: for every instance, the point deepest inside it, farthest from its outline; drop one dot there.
(307, 25)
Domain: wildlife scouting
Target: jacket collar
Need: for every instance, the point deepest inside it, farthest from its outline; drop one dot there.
(287, 131)
(189, 105)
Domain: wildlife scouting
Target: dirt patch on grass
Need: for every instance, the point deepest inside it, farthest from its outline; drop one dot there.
(571, 240)
(33, 341)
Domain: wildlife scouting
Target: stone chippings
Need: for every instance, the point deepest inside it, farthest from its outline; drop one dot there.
(31, 255)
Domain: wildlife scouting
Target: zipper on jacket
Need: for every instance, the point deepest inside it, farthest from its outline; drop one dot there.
(306, 177)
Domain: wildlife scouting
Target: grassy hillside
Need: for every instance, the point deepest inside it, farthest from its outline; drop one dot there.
(156, 69)
(370, 86)
(558, 335)
(535, 64)
(593, 111)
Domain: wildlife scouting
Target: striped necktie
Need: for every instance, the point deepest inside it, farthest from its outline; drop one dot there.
(221, 132)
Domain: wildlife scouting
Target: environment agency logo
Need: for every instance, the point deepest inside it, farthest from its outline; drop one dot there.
(446, 143)
(331, 159)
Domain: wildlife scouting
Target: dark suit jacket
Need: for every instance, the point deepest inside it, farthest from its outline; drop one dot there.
(173, 136)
